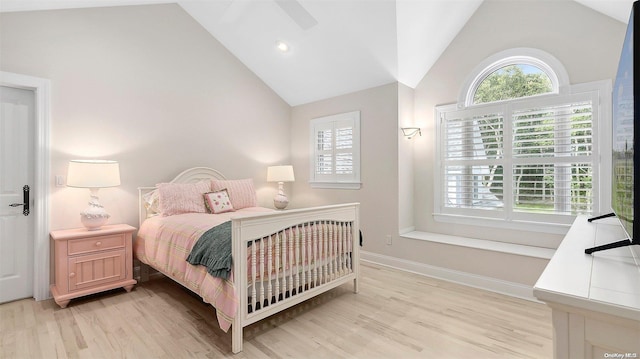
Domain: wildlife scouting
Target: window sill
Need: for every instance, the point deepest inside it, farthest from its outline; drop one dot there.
(483, 244)
(336, 185)
(520, 225)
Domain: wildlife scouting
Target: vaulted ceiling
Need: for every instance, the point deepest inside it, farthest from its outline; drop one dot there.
(334, 46)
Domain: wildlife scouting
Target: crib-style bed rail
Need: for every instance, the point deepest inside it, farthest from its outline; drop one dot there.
(291, 256)
(295, 260)
(280, 258)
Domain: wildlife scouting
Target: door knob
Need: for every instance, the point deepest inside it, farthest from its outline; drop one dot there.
(25, 200)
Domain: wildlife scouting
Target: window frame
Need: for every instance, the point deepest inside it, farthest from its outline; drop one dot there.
(546, 62)
(335, 180)
(546, 223)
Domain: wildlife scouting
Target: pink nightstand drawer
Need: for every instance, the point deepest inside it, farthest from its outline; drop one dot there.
(81, 246)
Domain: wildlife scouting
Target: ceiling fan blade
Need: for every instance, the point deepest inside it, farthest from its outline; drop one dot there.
(234, 11)
(297, 13)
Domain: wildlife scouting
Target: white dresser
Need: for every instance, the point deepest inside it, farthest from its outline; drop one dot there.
(595, 299)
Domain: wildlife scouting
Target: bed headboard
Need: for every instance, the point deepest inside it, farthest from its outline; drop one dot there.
(191, 175)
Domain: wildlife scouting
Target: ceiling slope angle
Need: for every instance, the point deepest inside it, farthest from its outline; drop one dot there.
(333, 47)
(425, 29)
(339, 48)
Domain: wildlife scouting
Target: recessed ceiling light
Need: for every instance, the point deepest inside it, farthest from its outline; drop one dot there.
(282, 46)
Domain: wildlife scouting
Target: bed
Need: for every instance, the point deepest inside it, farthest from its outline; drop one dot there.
(279, 258)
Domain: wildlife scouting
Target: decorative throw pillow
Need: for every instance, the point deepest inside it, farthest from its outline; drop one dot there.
(218, 202)
(241, 192)
(177, 198)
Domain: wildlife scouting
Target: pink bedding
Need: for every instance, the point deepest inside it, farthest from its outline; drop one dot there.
(165, 242)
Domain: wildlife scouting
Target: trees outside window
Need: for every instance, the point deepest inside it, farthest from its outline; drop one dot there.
(512, 82)
(520, 151)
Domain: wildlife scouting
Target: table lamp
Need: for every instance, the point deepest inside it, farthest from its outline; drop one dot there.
(93, 174)
(280, 174)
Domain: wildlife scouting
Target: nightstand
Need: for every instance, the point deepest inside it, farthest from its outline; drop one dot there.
(88, 262)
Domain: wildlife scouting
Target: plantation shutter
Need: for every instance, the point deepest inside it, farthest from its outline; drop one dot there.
(336, 150)
(473, 158)
(324, 150)
(553, 156)
(533, 156)
(344, 148)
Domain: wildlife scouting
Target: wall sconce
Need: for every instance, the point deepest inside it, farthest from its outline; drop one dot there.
(410, 132)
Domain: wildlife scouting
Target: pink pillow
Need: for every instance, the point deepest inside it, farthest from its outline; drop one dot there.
(241, 192)
(218, 202)
(177, 198)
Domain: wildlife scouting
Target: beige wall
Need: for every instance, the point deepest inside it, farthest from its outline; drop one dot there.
(379, 152)
(405, 158)
(587, 43)
(149, 87)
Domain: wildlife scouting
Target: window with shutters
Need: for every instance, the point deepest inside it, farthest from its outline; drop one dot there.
(335, 151)
(527, 155)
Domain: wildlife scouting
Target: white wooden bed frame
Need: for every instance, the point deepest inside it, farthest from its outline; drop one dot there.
(310, 279)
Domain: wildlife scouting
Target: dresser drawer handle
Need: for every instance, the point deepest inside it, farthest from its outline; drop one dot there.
(72, 274)
(98, 244)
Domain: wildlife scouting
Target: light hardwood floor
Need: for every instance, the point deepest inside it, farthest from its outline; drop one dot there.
(395, 315)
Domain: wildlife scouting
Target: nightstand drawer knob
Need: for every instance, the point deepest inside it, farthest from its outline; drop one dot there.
(72, 274)
(98, 244)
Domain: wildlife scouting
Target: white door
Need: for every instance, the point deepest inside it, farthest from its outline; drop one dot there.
(17, 121)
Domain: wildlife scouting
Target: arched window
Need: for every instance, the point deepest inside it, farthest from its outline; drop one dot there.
(512, 74)
(512, 82)
(520, 146)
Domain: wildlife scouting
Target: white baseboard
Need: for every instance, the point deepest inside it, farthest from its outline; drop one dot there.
(472, 280)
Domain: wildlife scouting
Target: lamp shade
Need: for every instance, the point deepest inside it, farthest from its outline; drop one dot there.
(93, 174)
(280, 174)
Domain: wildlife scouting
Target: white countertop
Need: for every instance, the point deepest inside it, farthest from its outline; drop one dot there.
(606, 281)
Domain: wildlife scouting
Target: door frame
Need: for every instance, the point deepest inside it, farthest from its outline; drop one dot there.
(42, 90)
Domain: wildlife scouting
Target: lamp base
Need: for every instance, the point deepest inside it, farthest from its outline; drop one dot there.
(94, 216)
(92, 222)
(280, 201)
